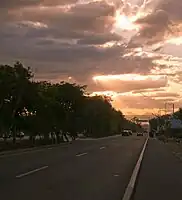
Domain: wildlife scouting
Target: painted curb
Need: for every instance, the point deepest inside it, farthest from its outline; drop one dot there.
(131, 185)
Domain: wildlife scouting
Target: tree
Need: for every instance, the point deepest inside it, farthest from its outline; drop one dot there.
(100, 118)
(46, 109)
(14, 84)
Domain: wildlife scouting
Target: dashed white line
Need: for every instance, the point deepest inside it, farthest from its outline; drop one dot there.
(82, 154)
(31, 172)
(116, 175)
(102, 147)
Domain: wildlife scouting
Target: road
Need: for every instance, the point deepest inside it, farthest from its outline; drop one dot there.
(85, 170)
(160, 176)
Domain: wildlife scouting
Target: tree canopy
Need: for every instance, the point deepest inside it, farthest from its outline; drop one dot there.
(56, 109)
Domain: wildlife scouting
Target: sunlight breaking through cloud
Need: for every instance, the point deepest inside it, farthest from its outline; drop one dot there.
(127, 77)
(127, 44)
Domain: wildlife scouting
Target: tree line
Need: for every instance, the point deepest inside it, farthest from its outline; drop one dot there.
(160, 124)
(53, 110)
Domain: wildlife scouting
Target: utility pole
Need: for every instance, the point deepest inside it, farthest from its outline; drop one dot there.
(173, 108)
(165, 108)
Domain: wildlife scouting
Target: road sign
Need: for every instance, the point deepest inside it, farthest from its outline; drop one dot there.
(175, 123)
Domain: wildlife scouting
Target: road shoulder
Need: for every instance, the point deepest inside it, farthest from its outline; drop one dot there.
(160, 176)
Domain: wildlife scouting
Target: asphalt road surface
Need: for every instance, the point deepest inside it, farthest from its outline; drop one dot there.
(85, 170)
(160, 176)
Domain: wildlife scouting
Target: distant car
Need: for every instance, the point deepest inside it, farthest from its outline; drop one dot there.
(126, 133)
(20, 135)
(139, 134)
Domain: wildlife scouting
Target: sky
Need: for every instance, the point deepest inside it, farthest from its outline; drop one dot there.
(128, 49)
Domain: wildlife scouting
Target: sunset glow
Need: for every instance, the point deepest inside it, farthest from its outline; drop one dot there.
(120, 48)
(126, 77)
(105, 93)
(175, 40)
(124, 22)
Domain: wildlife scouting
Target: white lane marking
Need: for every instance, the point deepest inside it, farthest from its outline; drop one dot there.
(31, 172)
(102, 147)
(116, 175)
(131, 185)
(82, 154)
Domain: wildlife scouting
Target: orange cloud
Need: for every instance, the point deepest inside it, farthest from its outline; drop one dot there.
(129, 82)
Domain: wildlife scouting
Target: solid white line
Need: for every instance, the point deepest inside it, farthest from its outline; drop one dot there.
(131, 185)
(31, 172)
(82, 154)
(102, 147)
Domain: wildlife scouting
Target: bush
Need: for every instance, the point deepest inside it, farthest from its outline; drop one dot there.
(163, 138)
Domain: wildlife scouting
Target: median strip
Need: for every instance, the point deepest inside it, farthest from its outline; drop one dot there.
(31, 172)
(82, 154)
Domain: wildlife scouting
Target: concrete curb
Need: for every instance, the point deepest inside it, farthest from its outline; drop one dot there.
(102, 138)
(27, 150)
(132, 183)
(41, 148)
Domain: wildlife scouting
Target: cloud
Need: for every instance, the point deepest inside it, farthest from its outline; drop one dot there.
(94, 16)
(148, 90)
(154, 27)
(162, 22)
(99, 39)
(172, 7)
(139, 102)
(12, 4)
(79, 39)
(165, 94)
(8, 4)
(130, 84)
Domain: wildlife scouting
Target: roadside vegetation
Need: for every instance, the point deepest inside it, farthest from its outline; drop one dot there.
(172, 137)
(49, 113)
(161, 126)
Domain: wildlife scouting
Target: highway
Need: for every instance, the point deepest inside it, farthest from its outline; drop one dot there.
(85, 170)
